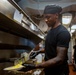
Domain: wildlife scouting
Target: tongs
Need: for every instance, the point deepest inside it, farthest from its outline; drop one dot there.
(25, 57)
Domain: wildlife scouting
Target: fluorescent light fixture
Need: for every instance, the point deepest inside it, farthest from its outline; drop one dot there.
(66, 18)
(73, 27)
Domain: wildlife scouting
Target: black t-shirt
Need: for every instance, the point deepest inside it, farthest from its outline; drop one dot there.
(60, 37)
(75, 55)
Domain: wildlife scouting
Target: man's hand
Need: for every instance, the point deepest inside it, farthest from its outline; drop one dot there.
(30, 66)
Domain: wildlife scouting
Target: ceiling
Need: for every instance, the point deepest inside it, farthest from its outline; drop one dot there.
(34, 8)
(37, 6)
(45, 0)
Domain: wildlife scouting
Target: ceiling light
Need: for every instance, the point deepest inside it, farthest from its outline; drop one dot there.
(4, 0)
(66, 18)
(73, 27)
(72, 31)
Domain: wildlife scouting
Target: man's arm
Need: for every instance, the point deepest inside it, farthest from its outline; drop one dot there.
(61, 55)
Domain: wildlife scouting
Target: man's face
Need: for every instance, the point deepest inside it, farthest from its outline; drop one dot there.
(50, 19)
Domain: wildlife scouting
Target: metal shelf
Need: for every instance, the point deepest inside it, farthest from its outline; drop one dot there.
(10, 26)
(11, 46)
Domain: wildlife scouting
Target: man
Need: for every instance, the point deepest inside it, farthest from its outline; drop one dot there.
(56, 44)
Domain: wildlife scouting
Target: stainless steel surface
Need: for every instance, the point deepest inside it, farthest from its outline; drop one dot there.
(6, 8)
(23, 12)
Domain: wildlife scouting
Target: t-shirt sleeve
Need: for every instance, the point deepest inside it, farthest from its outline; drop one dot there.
(63, 39)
